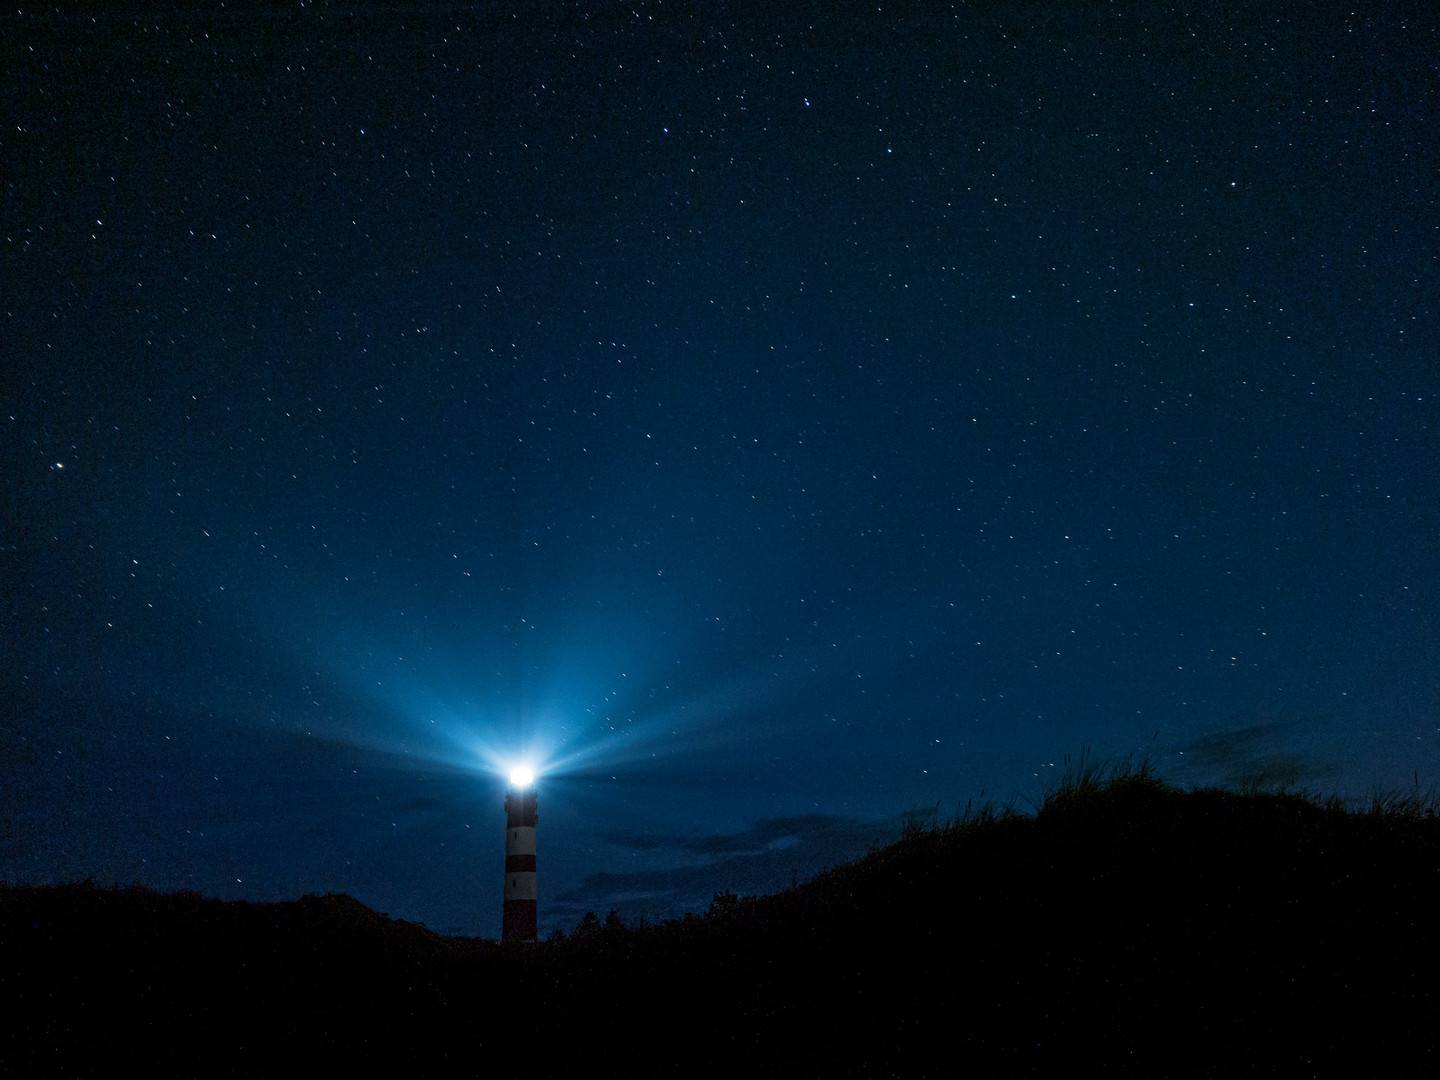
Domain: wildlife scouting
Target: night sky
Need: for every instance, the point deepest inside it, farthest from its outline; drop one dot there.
(773, 422)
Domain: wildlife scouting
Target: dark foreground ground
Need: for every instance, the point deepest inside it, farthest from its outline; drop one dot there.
(1128, 929)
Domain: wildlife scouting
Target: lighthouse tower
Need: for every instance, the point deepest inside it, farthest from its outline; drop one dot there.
(518, 921)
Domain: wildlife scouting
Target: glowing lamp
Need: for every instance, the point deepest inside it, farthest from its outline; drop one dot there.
(521, 776)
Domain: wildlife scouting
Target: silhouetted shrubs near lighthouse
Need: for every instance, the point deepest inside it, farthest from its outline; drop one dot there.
(1125, 929)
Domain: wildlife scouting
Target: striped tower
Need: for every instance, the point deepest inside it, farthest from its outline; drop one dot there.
(518, 922)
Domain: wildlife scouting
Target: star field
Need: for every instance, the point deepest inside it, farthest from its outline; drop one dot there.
(770, 424)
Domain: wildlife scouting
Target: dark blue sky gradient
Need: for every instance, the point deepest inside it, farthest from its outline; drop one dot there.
(777, 424)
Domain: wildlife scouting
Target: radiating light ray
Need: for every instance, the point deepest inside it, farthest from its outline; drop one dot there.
(585, 703)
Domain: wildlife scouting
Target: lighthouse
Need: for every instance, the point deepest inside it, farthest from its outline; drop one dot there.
(518, 920)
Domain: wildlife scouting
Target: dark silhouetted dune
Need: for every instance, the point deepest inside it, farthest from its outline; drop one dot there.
(1125, 929)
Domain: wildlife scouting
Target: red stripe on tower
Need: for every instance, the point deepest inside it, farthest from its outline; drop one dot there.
(521, 814)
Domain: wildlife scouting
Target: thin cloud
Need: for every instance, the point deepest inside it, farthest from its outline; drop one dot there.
(770, 855)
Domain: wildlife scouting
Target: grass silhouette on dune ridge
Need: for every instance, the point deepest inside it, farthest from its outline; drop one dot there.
(1126, 927)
